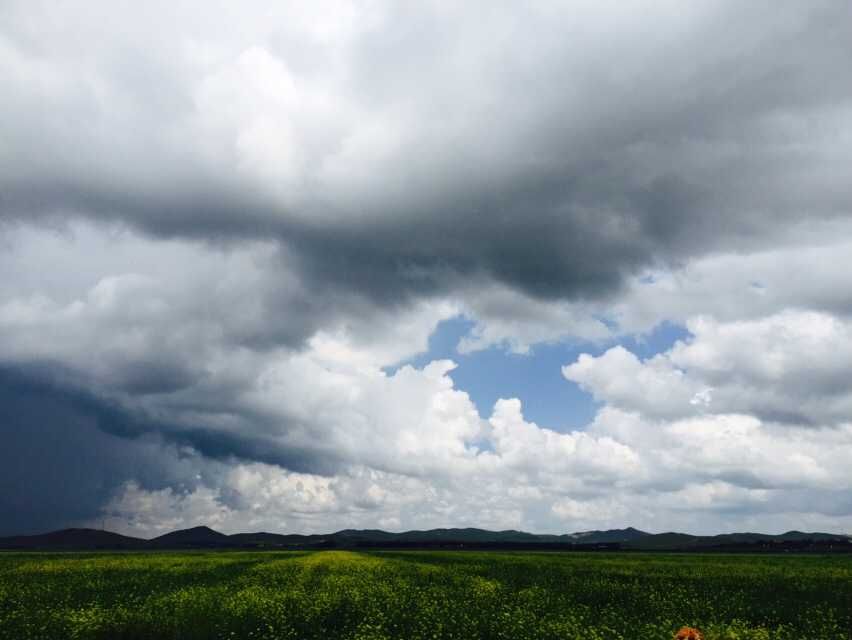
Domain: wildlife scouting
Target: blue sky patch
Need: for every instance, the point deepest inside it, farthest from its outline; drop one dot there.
(535, 378)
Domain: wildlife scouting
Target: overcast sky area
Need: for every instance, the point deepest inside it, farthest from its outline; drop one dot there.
(550, 266)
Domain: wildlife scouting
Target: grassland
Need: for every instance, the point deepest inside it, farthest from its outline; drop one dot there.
(422, 595)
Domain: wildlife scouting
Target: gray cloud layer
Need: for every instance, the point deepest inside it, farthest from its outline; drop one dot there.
(555, 150)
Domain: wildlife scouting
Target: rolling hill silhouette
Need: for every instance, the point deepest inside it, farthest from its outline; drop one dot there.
(628, 539)
(74, 539)
(194, 538)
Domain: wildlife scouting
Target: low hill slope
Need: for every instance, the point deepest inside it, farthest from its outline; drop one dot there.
(627, 539)
(196, 537)
(73, 539)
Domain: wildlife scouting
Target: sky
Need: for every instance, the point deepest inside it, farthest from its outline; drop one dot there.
(550, 266)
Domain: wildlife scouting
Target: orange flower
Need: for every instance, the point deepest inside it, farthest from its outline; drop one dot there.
(689, 633)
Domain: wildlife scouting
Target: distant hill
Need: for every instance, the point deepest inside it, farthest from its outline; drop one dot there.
(471, 538)
(669, 540)
(73, 539)
(263, 540)
(468, 535)
(790, 541)
(432, 537)
(196, 537)
(610, 535)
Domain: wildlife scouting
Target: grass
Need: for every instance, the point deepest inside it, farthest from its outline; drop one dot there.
(423, 595)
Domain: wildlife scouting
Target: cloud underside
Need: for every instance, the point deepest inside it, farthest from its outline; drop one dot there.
(219, 235)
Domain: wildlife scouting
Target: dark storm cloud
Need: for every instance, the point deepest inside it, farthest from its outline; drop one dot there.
(65, 452)
(571, 163)
(59, 463)
(246, 440)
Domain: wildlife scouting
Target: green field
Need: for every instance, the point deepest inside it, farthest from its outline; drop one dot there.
(428, 595)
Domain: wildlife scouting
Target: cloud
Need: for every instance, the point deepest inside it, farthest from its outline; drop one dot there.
(222, 229)
(504, 482)
(708, 473)
(509, 319)
(59, 463)
(655, 387)
(557, 457)
(743, 418)
(628, 151)
(788, 367)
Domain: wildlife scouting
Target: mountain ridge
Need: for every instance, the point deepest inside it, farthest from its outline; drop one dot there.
(628, 539)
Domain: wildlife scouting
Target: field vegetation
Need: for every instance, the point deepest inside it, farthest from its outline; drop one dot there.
(423, 595)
